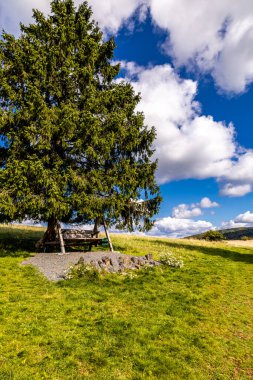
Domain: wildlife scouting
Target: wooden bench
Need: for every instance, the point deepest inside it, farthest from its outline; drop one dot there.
(73, 237)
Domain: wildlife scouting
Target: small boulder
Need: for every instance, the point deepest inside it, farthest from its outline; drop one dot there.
(80, 261)
(106, 260)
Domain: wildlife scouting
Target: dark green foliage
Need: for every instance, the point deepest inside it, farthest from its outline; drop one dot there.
(238, 233)
(232, 233)
(245, 238)
(213, 236)
(73, 147)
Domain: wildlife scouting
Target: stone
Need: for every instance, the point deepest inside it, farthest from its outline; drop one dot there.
(121, 264)
(81, 260)
(120, 260)
(141, 261)
(106, 260)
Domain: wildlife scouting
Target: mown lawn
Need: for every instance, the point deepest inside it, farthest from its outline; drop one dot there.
(189, 323)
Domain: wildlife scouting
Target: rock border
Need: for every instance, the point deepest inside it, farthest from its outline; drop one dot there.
(121, 263)
(55, 266)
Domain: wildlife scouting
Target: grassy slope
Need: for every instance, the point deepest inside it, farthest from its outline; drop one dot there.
(231, 233)
(189, 323)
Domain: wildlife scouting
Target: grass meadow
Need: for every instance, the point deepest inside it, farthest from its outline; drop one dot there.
(165, 323)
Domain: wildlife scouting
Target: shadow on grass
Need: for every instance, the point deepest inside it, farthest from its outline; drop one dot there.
(17, 242)
(227, 253)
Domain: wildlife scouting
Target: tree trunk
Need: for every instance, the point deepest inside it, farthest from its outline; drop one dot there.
(51, 232)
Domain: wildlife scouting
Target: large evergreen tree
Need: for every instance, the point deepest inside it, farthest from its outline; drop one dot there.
(72, 146)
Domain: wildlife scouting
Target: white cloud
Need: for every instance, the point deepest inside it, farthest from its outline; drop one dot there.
(215, 36)
(110, 14)
(231, 224)
(232, 190)
(247, 217)
(14, 11)
(184, 211)
(238, 179)
(207, 203)
(241, 220)
(188, 145)
(173, 227)
(242, 169)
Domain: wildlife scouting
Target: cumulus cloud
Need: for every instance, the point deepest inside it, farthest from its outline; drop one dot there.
(207, 203)
(232, 190)
(231, 224)
(110, 14)
(189, 145)
(113, 13)
(181, 222)
(247, 217)
(241, 220)
(242, 169)
(215, 36)
(176, 228)
(183, 149)
(239, 178)
(12, 12)
(184, 211)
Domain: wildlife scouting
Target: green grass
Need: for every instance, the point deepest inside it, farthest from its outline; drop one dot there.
(188, 323)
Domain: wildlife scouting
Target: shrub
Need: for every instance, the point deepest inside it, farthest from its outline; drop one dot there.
(82, 270)
(245, 238)
(213, 236)
(170, 260)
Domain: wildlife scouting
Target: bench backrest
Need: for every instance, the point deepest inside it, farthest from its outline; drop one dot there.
(79, 234)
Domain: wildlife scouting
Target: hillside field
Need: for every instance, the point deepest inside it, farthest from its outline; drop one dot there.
(192, 323)
(231, 234)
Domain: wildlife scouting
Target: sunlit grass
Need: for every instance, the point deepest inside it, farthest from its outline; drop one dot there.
(188, 323)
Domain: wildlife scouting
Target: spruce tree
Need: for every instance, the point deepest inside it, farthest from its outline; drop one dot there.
(72, 148)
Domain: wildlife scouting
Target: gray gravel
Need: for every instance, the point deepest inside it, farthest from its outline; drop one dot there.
(54, 265)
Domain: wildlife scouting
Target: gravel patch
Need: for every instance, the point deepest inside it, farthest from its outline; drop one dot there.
(54, 266)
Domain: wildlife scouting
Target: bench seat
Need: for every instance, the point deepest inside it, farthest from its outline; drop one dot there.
(73, 237)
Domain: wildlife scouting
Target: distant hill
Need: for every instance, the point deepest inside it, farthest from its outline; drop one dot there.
(230, 234)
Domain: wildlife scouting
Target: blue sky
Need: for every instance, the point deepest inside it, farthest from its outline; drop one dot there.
(193, 64)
